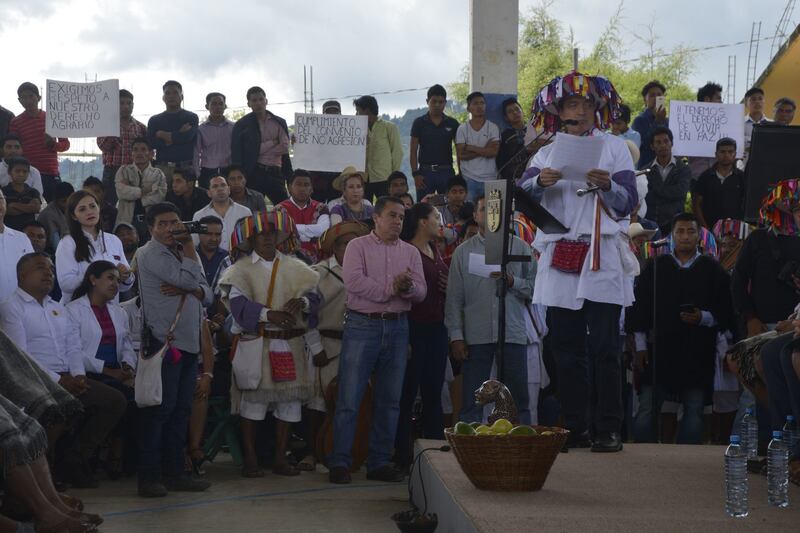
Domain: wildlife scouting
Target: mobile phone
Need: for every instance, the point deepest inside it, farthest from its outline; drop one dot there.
(438, 199)
(687, 308)
(661, 101)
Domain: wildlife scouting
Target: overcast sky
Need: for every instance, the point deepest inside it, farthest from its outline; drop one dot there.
(356, 47)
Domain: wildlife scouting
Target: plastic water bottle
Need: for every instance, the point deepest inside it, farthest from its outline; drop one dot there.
(736, 479)
(778, 471)
(749, 433)
(791, 434)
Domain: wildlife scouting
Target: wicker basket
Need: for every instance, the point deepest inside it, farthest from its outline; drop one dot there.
(507, 463)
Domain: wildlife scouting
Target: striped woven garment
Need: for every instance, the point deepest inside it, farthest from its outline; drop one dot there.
(275, 220)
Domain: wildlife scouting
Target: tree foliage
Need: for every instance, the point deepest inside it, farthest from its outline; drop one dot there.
(545, 51)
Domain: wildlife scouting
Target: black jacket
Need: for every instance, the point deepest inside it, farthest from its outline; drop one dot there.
(686, 354)
(666, 197)
(246, 143)
(757, 291)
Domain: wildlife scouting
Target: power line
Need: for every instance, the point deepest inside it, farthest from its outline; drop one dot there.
(701, 49)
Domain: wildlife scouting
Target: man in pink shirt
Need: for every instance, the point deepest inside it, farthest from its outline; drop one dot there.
(382, 276)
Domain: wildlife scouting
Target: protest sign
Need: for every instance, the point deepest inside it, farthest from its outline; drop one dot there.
(82, 109)
(697, 126)
(330, 142)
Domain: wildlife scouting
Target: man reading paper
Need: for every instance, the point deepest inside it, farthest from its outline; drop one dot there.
(581, 278)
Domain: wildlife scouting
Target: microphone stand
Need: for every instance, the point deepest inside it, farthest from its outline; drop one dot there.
(502, 285)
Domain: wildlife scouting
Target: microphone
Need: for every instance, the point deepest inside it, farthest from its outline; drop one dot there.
(589, 190)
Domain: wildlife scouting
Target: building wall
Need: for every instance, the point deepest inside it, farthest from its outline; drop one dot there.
(783, 79)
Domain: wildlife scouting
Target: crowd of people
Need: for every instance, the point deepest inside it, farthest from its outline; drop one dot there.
(341, 315)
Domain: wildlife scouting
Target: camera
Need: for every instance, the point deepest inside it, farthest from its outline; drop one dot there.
(193, 227)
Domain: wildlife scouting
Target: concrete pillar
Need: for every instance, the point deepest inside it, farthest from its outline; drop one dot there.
(494, 38)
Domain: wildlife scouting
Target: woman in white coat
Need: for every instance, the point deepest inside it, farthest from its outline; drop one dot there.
(86, 243)
(108, 355)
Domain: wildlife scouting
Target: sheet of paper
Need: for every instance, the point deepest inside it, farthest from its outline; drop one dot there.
(575, 156)
(478, 266)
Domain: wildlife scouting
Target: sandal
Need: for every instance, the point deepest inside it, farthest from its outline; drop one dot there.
(308, 464)
(285, 469)
(70, 525)
(89, 518)
(197, 457)
(252, 473)
(71, 501)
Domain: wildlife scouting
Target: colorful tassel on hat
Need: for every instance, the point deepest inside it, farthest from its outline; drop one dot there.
(544, 113)
(777, 206)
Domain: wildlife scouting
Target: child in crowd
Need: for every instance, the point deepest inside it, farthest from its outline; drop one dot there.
(311, 217)
(23, 201)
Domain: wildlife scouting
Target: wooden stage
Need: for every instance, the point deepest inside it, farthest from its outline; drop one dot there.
(646, 487)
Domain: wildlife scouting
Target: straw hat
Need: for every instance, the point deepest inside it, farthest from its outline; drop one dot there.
(328, 238)
(277, 220)
(636, 230)
(347, 173)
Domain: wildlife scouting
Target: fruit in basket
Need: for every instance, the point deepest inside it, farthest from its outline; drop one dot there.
(462, 428)
(483, 430)
(522, 430)
(547, 433)
(501, 426)
(474, 425)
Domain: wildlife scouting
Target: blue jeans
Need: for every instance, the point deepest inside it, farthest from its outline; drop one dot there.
(691, 426)
(477, 368)
(162, 428)
(435, 180)
(424, 373)
(369, 347)
(474, 189)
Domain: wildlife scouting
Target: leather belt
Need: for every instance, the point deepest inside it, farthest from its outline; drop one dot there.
(267, 167)
(378, 316)
(331, 334)
(437, 167)
(284, 334)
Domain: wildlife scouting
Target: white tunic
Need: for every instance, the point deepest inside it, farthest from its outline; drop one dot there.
(607, 285)
(13, 245)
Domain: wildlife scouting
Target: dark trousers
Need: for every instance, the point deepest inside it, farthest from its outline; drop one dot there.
(103, 406)
(782, 382)
(109, 187)
(162, 428)
(49, 184)
(377, 190)
(435, 180)
(424, 373)
(204, 179)
(572, 348)
(268, 181)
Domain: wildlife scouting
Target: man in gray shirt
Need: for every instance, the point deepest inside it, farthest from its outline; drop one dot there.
(472, 323)
(168, 268)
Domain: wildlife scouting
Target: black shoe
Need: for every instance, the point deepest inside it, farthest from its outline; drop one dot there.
(339, 475)
(152, 489)
(388, 473)
(607, 442)
(186, 484)
(577, 440)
